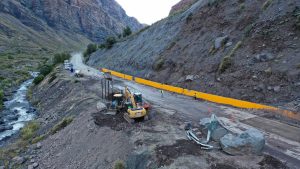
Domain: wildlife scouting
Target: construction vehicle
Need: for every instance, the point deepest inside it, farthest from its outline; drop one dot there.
(131, 104)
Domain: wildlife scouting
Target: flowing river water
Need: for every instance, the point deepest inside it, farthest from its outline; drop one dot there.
(17, 111)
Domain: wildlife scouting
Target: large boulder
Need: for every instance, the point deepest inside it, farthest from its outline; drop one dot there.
(212, 124)
(251, 141)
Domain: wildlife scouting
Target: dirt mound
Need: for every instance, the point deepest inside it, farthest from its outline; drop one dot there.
(167, 154)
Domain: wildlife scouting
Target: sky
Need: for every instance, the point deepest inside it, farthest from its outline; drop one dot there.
(147, 11)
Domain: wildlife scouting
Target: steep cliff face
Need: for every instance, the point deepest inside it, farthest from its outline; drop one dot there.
(242, 49)
(95, 19)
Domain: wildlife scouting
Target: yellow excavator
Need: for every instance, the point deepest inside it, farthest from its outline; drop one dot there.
(131, 104)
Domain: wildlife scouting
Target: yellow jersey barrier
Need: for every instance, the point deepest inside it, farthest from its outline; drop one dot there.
(205, 96)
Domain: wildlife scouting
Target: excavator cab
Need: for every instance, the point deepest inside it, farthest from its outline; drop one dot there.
(138, 98)
(117, 102)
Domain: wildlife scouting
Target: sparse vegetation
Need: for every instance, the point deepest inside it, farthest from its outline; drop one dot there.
(119, 164)
(298, 66)
(248, 29)
(38, 79)
(296, 13)
(38, 139)
(45, 70)
(159, 64)
(242, 6)
(266, 4)
(225, 64)
(62, 124)
(214, 2)
(29, 131)
(189, 17)
(127, 31)
(110, 41)
(1, 98)
(52, 77)
(91, 48)
(227, 60)
(60, 58)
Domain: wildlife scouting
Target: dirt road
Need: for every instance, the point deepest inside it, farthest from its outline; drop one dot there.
(282, 140)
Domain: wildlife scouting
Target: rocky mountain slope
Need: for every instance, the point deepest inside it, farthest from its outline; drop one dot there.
(33, 30)
(242, 49)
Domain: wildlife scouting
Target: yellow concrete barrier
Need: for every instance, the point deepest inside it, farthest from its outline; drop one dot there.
(206, 96)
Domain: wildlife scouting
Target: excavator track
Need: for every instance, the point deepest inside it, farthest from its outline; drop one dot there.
(128, 119)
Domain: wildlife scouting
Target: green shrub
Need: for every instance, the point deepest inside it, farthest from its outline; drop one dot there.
(52, 78)
(119, 164)
(38, 139)
(227, 61)
(60, 58)
(102, 46)
(45, 70)
(91, 48)
(127, 31)
(38, 79)
(1, 98)
(189, 18)
(248, 29)
(267, 4)
(296, 14)
(62, 124)
(159, 64)
(225, 64)
(298, 66)
(110, 42)
(28, 132)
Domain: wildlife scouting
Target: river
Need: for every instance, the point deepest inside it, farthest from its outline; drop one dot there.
(17, 111)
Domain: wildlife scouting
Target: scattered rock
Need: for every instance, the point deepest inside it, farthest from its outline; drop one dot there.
(276, 89)
(263, 57)
(5, 127)
(32, 161)
(269, 70)
(220, 41)
(228, 44)
(191, 77)
(13, 117)
(249, 142)
(32, 166)
(270, 88)
(19, 160)
(35, 165)
(38, 146)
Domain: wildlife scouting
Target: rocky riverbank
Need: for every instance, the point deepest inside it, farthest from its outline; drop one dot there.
(17, 111)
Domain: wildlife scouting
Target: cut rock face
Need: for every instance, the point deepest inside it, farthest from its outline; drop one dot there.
(251, 141)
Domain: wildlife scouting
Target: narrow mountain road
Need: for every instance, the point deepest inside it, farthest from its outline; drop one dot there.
(282, 140)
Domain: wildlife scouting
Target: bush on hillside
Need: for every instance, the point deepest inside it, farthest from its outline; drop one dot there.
(127, 31)
(110, 42)
(38, 79)
(29, 130)
(119, 165)
(60, 58)
(91, 48)
(45, 70)
(1, 98)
